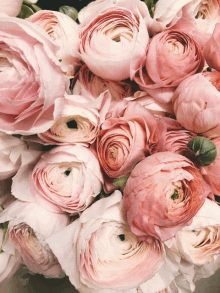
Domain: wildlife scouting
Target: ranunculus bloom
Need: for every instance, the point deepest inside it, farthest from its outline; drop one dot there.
(126, 138)
(101, 242)
(196, 103)
(32, 86)
(163, 194)
(10, 7)
(203, 14)
(88, 84)
(173, 137)
(64, 32)
(80, 120)
(172, 56)
(212, 171)
(65, 179)
(11, 149)
(29, 226)
(199, 243)
(212, 48)
(113, 38)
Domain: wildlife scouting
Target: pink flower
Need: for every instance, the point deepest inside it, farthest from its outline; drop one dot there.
(198, 246)
(212, 171)
(80, 120)
(172, 56)
(203, 14)
(173, 137)
(94, 7)
(29, 226)
(64, 32)
(114, 38)
(196, 103)
(11, 149)
(10, 7)
(65, 179)
(162, 194)
(212, 48)
(151, 104)
(101, 242)
(126, 138)
(9, 263)
(32, 85)
(88, 84)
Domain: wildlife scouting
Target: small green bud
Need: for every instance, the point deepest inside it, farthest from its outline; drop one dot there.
(201, 151)
(70, 11)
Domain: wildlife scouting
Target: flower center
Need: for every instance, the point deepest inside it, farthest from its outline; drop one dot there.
(175, 195)
(72, 124)
(67, 172)
(113, 152)
(122, 237)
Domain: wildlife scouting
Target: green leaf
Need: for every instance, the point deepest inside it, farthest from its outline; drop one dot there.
(70, 11)
(121, 181)
(25, 12)
(151, 6)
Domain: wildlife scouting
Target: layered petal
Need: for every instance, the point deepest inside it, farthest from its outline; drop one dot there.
(163, 194)
(105, 251)
(32, 86)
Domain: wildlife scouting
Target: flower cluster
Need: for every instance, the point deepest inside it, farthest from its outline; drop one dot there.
(110, 144)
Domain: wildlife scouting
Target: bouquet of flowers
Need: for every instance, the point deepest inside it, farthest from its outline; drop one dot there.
(110, 143)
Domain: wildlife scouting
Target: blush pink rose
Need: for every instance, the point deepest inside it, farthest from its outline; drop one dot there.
(101, 242)
(172, 56)
(173, 137)
(65, 33)
(196, 103)
(89, 84)
(32, 85)
(65, 179)
(163, 194)
(126, 138)
(10, 7)
(114, 38)
(80, 120)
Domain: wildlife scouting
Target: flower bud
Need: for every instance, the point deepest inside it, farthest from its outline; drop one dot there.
(202, 151)
(70, 11)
